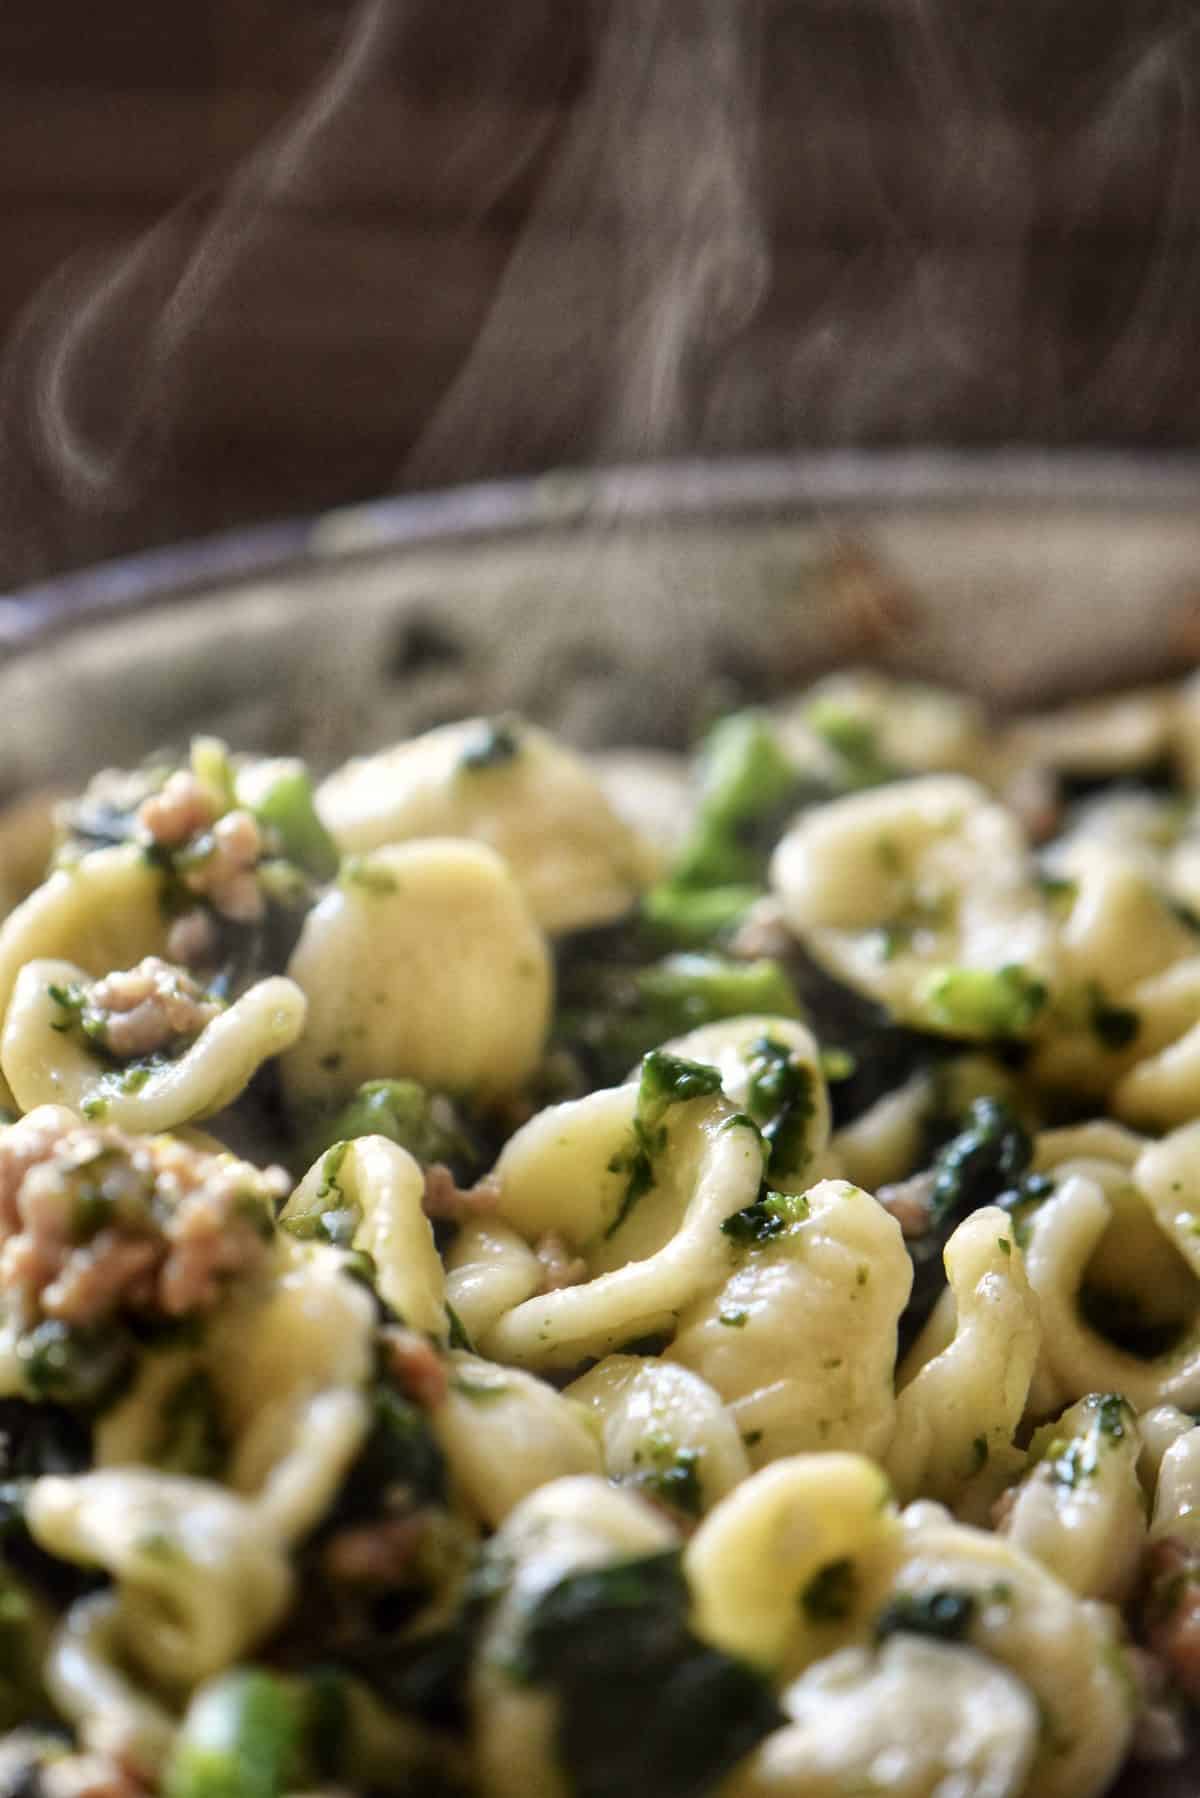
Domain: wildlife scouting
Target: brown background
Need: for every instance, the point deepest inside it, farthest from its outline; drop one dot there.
(978, 225)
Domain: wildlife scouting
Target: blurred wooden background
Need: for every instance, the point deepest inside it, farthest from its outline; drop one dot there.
(247, 245)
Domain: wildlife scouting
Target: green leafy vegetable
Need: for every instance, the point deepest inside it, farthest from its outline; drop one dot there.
(697, 915)
(240, 1738)
(192, 1438)
(666, 1080)
(980, 1002)
(643, 1705)
(497, 743)
(781, 1102)
(614, 1015)
(853, 740)
(424, 1123)
(282, 799)
(770, 1215)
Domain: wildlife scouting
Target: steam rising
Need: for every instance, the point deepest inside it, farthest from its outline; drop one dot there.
(764, 226)
(644, 257)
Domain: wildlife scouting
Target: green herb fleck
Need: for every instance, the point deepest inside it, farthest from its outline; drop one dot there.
(497, 743)
(666, 1080)
(981, 1002)
(360, 871)
(770, 1215)
(459, 1339)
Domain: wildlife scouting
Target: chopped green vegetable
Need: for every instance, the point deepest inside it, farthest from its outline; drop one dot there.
(781, 1103)
(401, 1453)
(854, 741)
(240, 1738)
(23, 1638)
(674, 1475)
(745, 778)
(613, 1015)
(75, 1366)
(982, 1164)
(980, 1002)
(361, 871)
(697, 915)
(770, 1215)
(192, 1438)
(830, 1594)
(497, 743)
(666, 1080)
(424, 1123)
(282, 799)
(459, 1339)
(991, 1151)
(213, 769)
(614, 1642)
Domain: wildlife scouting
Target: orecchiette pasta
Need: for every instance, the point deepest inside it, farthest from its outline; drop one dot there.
(426, 962)
(917, 1719)
(46, 1065)
(922, 895)
(747, 1348)
(200, 1576)
(957, 1414)
(512, 787)
(799, 1338)
(663, 1429)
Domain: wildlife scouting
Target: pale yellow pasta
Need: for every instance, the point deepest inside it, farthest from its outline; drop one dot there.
(884, 1142)
(730, 1045)
(1177, 1491)
(651, 790)
(561, 1528)
(956, 1416)
(909, 726)
(298, 1424)
(799, 1339)
(86, 1678)
(27, 832)
(1080, 1510)
(662, 1427)
(1098, 737)
(1159, 1428)
(105, 911)
(424, 961)
(384, 1187)
(505, 1433)
(556, 1175)
(915, 1719)
(1065, 1649)
(44, 1064)
(1117, 939)
(1064, 1234)
(756, 1563)
(536, 803)
(490, 1269)
(1134, 1260)
(200, 1577)
(898, 889)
